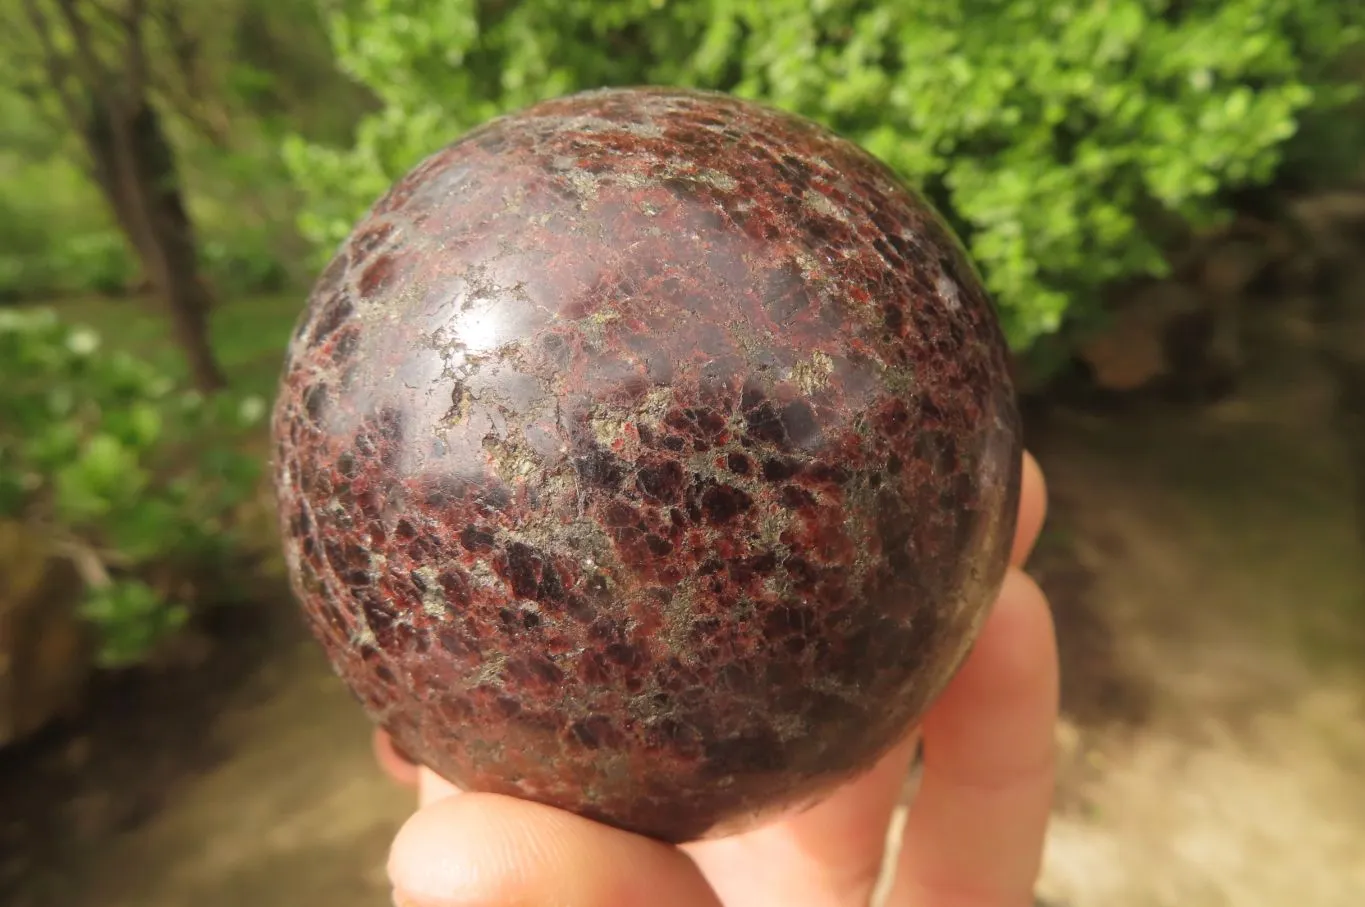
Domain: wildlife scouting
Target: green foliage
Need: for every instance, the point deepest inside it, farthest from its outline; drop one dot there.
(133, 618)
(134, 478)
(1062, 139)
(55, 237)
(244, 262)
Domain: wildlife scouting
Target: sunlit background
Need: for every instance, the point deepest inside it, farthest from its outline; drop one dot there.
(1166, 199)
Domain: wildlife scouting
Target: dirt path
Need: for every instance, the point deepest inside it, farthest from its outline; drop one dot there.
(1209, 577)
(271, 797)
(299, 813)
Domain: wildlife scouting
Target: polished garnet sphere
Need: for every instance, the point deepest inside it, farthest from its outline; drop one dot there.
(650, 454)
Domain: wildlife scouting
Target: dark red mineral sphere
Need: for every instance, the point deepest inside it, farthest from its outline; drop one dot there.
(650, 454)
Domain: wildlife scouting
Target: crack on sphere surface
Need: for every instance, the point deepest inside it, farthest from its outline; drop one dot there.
(651, 454)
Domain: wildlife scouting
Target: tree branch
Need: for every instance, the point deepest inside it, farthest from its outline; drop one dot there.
(57, 65)
(183, 87)
(97, 80)
(210, 127)
(111, 16)
(89, 563)
(184, 44)
(33, 92)
(137, 48)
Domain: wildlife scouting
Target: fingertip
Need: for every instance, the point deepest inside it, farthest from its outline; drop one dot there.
(432, 787)
(1016, 651)
(1032, 510)
(468, 850)
(485, 849)
(975, 833)
(395, 763)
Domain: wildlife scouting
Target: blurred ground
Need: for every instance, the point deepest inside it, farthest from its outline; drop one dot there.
(246, 779)
(1207, 566)
(1208, 572)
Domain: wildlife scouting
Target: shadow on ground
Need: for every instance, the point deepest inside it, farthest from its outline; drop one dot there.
(111, 768)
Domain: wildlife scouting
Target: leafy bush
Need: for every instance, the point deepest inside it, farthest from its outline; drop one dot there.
(55, 238)
(99, 262)
(1061, 138)
(134, 479)
(244, 263)
(50, 267)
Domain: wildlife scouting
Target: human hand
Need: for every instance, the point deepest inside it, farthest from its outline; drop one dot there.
(973, 838)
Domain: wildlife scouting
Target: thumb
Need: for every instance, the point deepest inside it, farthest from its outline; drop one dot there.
(471, 850)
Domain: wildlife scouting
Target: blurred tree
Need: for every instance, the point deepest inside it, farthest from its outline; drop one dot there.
(91, 64)
(175, 110)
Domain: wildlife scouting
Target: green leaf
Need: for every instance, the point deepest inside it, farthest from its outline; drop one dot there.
(131, 619)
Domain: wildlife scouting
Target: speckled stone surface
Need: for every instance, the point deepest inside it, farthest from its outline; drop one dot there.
(650, 454)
